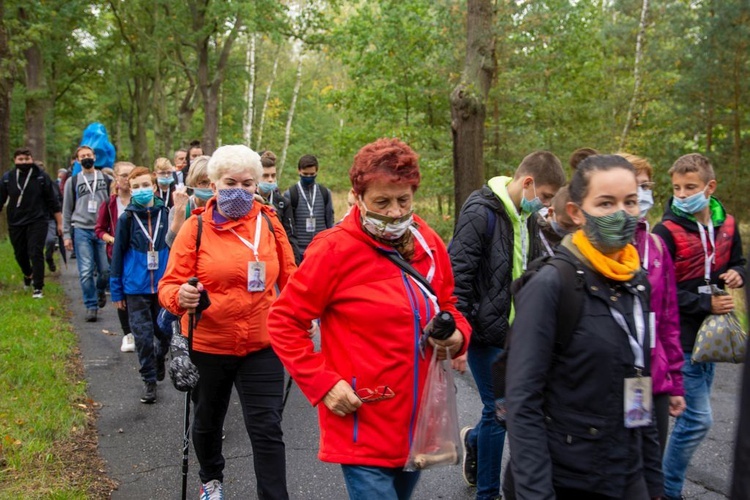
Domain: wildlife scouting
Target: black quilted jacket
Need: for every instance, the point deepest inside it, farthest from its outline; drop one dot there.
(482, 259)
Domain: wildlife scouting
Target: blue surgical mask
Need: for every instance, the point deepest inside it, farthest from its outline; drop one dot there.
(165, 181)
(204, 194)
(267, 187)
(235, 202)
(533, 206)
(645, 200)
(692, 204)
(307, 180)
(142, 196)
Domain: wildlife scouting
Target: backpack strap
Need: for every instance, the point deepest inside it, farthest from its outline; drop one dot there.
(294, 196)
(270, 225)
(199, 234)
(491, 221)
(570, 304)
(406, 267)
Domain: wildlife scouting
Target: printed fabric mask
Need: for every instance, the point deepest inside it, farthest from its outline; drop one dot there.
(533, 206)
(692, 204)
(165, 181)
(267, 187)
(234, 202)
(384, 227)
(645, 200)
(307, 180)
(142, 196)
(204, 194)
(612, 232)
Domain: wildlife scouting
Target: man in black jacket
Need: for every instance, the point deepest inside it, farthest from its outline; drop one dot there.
(493, 240)
(269, 190)
(31, 196)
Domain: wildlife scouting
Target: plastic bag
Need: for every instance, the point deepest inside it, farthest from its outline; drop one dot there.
(720, 338)
(436, 438)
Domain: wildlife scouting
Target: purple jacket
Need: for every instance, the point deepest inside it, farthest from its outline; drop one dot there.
(666, 356)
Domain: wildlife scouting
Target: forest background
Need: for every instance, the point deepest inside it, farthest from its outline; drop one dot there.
(658, 79)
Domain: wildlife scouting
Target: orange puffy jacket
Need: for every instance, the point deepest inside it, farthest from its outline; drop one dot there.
(235, 323)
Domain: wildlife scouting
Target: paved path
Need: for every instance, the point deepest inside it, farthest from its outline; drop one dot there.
(142, 444)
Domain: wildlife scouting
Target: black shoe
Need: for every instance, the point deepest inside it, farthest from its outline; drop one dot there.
(101, 299)
(149, 393)
(160, 368)
(52, 266)
(469, 466)
(90, 315)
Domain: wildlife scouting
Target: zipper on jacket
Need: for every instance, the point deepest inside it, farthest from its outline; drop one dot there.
(151, 272)
(414, 303)
(355, 415)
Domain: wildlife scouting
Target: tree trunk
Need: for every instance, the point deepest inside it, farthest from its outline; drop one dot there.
(36, 103)
(6, 88)
(250, 94)
(265, 100)
(289, 119)
(468, 100)
(636, 74)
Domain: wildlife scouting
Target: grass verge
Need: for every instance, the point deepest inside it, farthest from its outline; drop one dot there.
(48, 444)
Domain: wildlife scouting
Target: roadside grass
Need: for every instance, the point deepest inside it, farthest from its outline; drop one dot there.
(47, 439)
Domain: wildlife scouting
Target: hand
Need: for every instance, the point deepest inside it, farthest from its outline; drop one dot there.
(108, 238)
(188, 296)
(732, 279)
(120, 304)
(452, 343)
(314, 329)
(68, 243)
(183, 373)
(676, 405)
(722, 304)
(180, 198)
(459, 364)
(59, 230)
(341, 399)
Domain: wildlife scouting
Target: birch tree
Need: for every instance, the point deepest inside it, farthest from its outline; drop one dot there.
(290, 117)
(266, 98)
(639, 41)
(247, 129)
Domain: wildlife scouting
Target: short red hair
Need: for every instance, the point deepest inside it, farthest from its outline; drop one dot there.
(385, 158)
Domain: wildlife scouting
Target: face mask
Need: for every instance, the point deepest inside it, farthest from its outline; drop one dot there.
(533, 206)
(165, 181)
(692, 204)
(267, 187)
(142, 196)
(387, 228)
(87, 163)
(204, 194)
(307, 180)
(558, 229)
(24, 167)
(610, 233)
(645, 200)
(235, 202)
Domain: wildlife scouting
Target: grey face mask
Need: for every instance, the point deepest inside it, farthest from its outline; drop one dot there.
(610, 233)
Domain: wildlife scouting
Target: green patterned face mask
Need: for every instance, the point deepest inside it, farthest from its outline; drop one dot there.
(610, 233)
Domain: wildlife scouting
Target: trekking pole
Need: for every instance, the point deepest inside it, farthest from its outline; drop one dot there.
(186, 435)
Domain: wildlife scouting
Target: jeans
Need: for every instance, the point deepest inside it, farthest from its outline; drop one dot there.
(379, 483)
(259, 380)
(487, 437)
(691, 427)
(50, 241)
(91, 256)
(28, 248)
(150, 342)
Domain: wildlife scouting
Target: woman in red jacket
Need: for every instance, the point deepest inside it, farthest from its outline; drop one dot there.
(370, 371)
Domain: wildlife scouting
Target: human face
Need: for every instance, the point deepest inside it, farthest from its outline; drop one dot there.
(86, 153)
(609, 191)
(165, 173)
(142, 181)
(685, 185)
(269, 174)
(180, 160)
(122, 177)
(387, 198)
(202, 182)
(195, 153)
(308, 171)
(544, 192)
(23, 160)
(233, 180)
(644, 181)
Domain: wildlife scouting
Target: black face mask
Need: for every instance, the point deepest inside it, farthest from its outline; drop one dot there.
(24, 167)
(87, 163)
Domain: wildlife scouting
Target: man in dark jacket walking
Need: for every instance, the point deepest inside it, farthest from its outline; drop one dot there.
(312, 203)
(31, 196)
(269, 190)
(492, 243)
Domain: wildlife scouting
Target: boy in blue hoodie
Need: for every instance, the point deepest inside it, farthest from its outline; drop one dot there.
(139, 258)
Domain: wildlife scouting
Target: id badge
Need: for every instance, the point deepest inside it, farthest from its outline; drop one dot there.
(705, 289)
(638, 403)
(256, 276)
(152, 260)
(93, 206)
(310, 224)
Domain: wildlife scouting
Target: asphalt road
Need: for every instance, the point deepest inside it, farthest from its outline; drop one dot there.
(142, 444)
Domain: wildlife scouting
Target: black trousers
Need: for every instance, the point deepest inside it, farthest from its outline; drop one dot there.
(661, 413)
(259, 380)
(28, 248)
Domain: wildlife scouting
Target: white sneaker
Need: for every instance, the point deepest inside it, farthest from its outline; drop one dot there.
(128, 343)
(212, 490)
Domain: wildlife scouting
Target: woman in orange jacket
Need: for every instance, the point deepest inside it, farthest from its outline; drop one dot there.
(371, 369)
(238, 250)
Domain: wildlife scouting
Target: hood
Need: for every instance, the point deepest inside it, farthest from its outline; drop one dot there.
(499, 186)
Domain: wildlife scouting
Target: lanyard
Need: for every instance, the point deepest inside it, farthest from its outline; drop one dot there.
(423, 244)
(310, 206)
(256, 242)
(646, 248)
(22, 189)
(550, 252)
(151, 239)
(524, 242)
(708, 257)
(636, 341)
(87, 182)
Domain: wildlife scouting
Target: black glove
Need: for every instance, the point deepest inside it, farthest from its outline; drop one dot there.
(182, 371)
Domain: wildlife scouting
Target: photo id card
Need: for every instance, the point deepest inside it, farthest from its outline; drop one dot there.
(93, 206)
(637, 402)
(310, 224)
(705, 289)
(256, 276)
(152, 260)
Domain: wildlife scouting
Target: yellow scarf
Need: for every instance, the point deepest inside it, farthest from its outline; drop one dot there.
(619, 270)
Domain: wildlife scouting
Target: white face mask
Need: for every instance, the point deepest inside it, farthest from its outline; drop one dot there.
(645, 200)
(382, 226)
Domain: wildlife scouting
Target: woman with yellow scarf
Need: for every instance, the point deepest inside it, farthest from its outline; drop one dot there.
(580, 414)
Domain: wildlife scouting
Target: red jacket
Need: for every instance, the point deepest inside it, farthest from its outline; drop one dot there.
(372, 316)
(235, 322)
(106, 221)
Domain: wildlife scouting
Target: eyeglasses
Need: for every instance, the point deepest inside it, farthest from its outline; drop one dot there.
(646, 186)
(379, 394)
(164, 174)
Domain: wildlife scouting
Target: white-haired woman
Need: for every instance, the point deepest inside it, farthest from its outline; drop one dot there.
(240, 239)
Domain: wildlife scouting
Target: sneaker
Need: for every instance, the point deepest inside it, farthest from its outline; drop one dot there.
(26, 282)
(149, 393)
(469, 468)
(51, 265)
(128, 343)
(101, 299)
(38, 294)
(90, 315)
(160, 368)
(212, 490)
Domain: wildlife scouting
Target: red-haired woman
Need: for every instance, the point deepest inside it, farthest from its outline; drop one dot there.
(369, 373)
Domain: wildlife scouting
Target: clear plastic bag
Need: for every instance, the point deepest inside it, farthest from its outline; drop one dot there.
(436, 437)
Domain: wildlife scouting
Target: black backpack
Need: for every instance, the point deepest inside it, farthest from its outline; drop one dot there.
(107, 180)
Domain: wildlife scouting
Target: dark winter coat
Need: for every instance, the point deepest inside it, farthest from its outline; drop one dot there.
(285, 212)
(39, 201)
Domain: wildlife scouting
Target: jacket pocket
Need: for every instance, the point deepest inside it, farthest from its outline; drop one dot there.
(574, 441)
